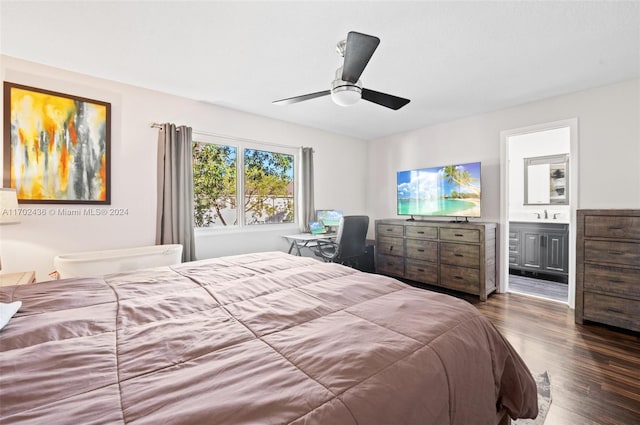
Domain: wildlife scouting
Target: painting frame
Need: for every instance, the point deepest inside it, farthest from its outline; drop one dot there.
(57, 146)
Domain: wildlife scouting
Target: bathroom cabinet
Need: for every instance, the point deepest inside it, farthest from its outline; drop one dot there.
(539, 247)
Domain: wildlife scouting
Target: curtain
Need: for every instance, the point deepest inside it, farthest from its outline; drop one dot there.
(174, 224)
(307, 209)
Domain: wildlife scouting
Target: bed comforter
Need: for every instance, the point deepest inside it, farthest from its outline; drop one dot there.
(264, 338)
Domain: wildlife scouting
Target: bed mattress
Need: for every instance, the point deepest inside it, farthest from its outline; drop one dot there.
(265, 338)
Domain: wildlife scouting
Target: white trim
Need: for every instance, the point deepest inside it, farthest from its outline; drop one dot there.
(503, 261)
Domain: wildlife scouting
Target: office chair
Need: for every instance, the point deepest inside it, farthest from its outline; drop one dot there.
(350, 243)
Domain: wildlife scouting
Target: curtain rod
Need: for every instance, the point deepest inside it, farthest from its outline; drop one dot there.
(233, 138)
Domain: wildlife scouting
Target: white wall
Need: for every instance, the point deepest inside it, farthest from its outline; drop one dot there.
(608, 154)
(346, 169)
(32, 244)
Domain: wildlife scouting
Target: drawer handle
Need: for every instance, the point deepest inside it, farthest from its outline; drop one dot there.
(458, 277)
(615, 281)
(391, 248)
(614, 228)
(614, 310)
(420, 232)
(615, 252)
(420, 250)
(389, 264)
(389, 230)
(458, 235)
(421, 270)
(458, 255)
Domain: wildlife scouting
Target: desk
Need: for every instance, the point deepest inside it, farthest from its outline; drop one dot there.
(307, 240)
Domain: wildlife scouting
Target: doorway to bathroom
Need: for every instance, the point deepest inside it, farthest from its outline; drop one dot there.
(539, 195)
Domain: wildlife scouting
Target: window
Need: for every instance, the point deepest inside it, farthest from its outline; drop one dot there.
(268, 187)
(264, 178)
(214, 185)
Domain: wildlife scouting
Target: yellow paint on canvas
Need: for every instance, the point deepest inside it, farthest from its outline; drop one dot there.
(35, 114)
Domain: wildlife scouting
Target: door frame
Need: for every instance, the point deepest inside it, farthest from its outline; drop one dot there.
(503, 263)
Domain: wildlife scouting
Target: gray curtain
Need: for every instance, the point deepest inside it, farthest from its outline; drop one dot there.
(174, 223)
(307, 211)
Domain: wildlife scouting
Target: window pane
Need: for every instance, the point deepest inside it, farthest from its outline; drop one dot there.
(214, 185)
(268, 187)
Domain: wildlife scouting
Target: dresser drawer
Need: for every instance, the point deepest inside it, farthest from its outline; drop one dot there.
(514, 260)
(624, 253)
(426, 232)
(390, 246)
(615, 311)
(389, 264)
(421, 271)
(390, 230)
(612, 227)
(462, 235)
(460, 278)
(422, 250)
(613, 280)
(460, 254)
(513, 246)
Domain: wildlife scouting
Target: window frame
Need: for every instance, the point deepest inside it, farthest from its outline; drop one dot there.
(241, 145)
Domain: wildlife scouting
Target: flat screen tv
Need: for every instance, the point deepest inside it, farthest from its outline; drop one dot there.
(449, 190)
(329, 218)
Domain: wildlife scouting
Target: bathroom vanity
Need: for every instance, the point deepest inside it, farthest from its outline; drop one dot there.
(540, 246)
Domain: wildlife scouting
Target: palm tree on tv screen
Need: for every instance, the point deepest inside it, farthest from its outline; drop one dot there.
(456, 174)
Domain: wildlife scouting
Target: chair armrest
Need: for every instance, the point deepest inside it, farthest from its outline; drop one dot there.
(327, 249)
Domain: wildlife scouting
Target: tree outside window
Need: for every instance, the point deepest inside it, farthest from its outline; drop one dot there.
(266, 180)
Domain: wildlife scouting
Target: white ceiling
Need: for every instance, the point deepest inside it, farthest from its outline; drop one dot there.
(452, 59)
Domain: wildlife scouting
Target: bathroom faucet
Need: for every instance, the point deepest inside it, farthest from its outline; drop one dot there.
(555, 215)
(545, 214)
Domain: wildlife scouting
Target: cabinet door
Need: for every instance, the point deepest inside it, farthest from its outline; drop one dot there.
(531, 257)
(557, 249)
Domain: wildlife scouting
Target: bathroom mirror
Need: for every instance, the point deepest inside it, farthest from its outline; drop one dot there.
(546, 180)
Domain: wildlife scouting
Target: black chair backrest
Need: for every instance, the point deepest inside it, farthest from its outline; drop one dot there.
(352, 236)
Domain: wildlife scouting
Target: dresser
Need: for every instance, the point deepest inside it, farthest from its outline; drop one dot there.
(608, 267)
(458, 256)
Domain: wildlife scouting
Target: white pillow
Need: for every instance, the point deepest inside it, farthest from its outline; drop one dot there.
(7, 310)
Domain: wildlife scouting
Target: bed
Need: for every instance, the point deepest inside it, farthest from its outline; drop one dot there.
(265, 338)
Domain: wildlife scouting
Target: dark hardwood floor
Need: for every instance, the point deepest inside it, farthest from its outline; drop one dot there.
(594, 370)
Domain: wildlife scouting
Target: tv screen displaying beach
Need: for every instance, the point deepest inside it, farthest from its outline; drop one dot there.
(451, 190)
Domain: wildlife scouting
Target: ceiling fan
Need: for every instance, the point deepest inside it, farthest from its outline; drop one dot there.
(346, 88)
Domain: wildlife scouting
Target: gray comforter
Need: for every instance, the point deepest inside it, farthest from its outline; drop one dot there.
(263, 338)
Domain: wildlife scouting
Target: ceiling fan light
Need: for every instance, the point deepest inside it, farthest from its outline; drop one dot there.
(346, 95)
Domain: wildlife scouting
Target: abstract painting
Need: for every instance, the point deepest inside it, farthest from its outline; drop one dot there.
(56, 146)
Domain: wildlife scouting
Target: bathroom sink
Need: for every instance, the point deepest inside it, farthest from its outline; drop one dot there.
(540, 220)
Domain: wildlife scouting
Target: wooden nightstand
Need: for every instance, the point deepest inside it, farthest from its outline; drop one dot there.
(22, 278)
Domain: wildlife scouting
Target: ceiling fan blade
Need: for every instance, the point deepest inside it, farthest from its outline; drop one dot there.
(358, 51)
(296, 99)
(388, 100)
